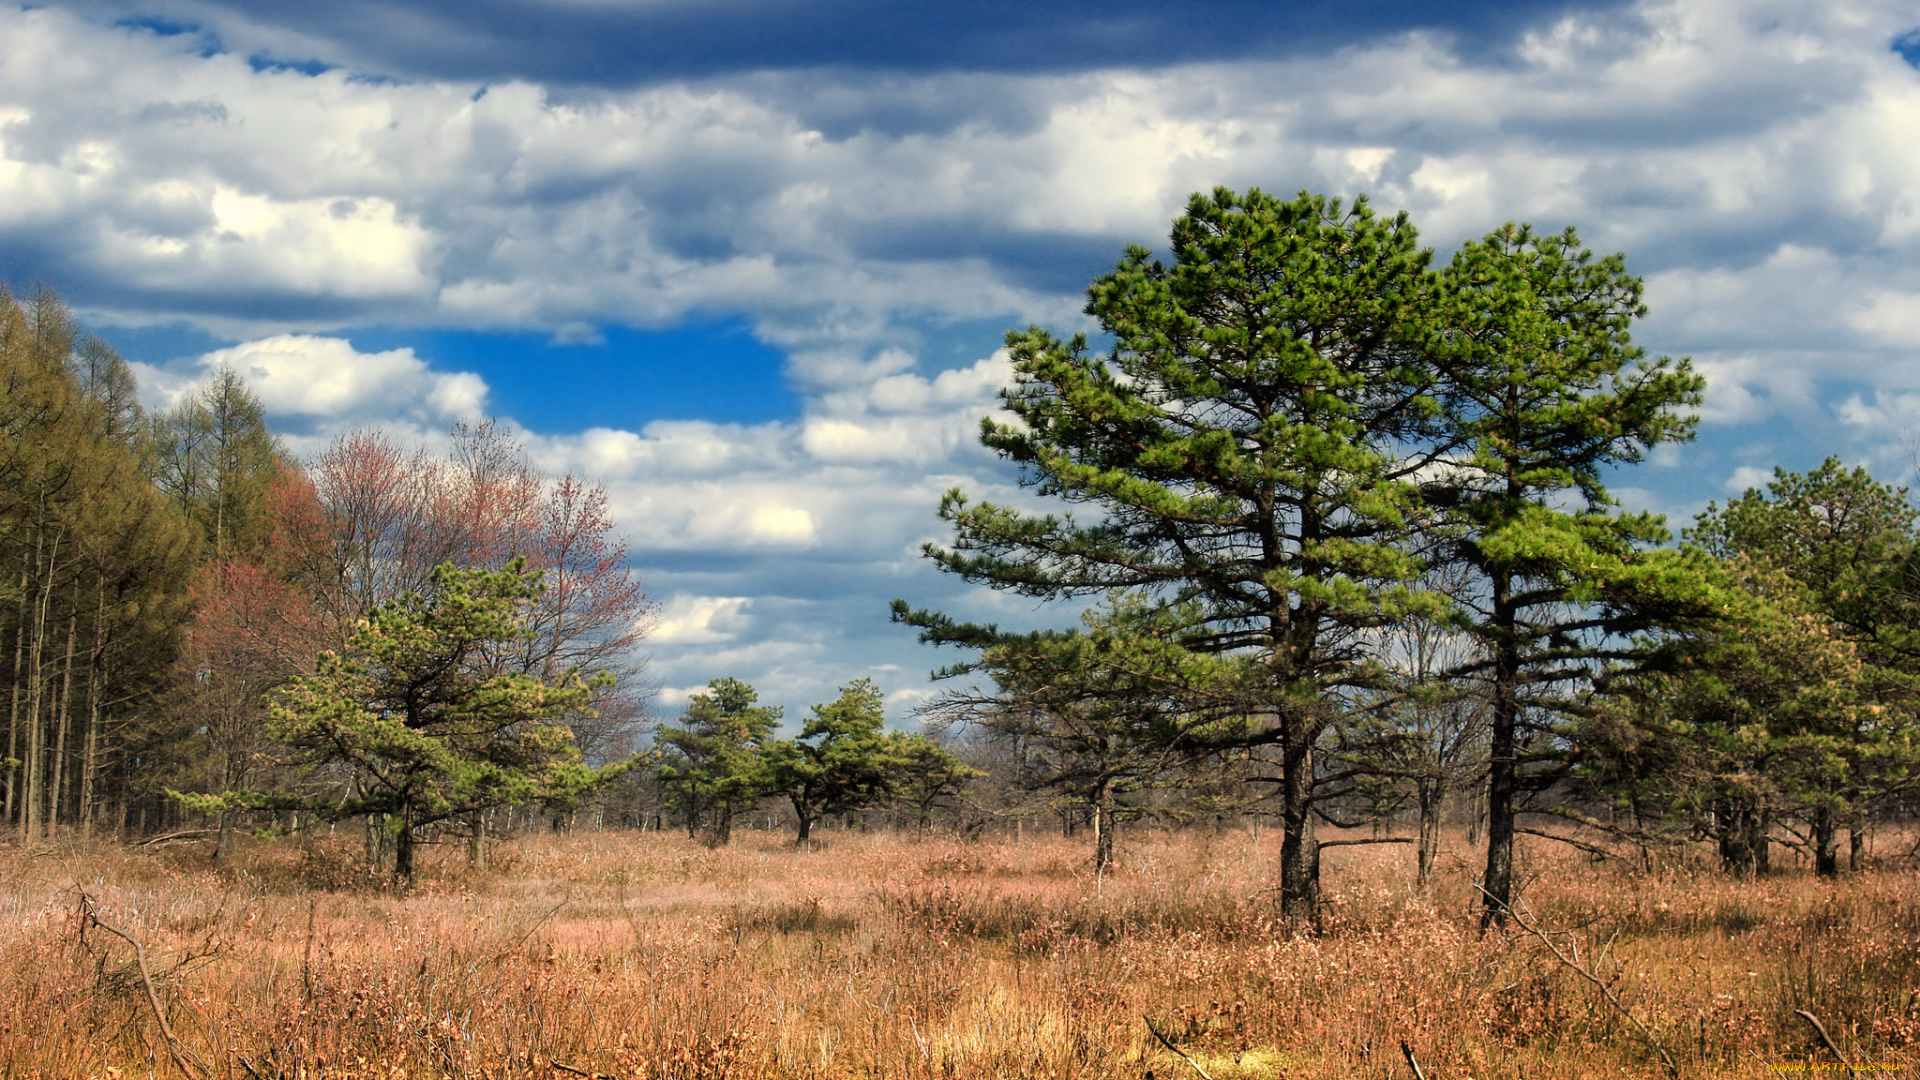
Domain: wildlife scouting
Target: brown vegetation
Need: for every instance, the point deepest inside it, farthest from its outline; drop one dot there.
(644, 955)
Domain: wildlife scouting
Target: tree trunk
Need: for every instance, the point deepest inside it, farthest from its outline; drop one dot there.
(63, 721)
(477, 838)
(803, 810)
(379, 841)
(35, 808)
(1102, 827)
(1502, 770)
(1476, 822)
(1433, 794)
(1741, 829)
(1729, 828)
(1299, 848)
(13, 707)
(403, 851)
(90, 741)
(1826, 859)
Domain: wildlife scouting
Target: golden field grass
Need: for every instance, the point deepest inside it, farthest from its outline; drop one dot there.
(645, 955)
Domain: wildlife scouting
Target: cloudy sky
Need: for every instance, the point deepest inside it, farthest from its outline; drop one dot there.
(747, 262)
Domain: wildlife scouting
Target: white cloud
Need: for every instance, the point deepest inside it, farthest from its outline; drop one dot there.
(1746, 478)
(1754, 158)
(699, 620)
(1681, 131)
(326, 378)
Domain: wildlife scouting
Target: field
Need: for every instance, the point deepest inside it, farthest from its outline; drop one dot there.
(645, 955)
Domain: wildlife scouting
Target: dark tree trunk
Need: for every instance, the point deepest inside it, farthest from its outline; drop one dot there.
(803, 810)
(403, 851)
(1502, 770)
(1826, 858)
(1299, 848)
(1741, 830)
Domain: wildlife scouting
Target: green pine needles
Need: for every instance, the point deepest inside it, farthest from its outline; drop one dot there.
(426, 717)
(1300, 424)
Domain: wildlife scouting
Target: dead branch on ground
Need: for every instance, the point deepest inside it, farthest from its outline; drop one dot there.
(1168, 1043)
(1523, 919)
(183, 1055)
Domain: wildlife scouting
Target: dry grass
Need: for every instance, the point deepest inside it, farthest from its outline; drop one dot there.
(878, 956)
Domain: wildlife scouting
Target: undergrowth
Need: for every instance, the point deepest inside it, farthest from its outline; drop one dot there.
(631, 955)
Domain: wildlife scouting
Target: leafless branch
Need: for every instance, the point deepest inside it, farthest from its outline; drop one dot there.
(183, 1056)
(1412, 1064)
(1521, 919)
(1828, 1039)
(1168, 1043)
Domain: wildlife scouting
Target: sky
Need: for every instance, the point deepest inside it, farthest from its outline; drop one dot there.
(748, 263)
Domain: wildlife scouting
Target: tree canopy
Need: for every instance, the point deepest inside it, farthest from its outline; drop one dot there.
(427, 716)
(1296, 422)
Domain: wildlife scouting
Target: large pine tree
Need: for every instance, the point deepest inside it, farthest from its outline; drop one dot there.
(1545, 392)
(1247, 449)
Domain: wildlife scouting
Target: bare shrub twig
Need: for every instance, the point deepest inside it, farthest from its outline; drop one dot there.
(1521, 919)
(183, 1055)
(1168, 1043)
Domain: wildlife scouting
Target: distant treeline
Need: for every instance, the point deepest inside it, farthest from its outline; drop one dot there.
(162, 576)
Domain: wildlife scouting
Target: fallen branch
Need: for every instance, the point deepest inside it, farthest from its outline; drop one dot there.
(1828, 1039)
(1168, 1043)
(1520, 920)
(1382, 840)
(1590, 849)
(1412, 1064)
(167, 838)
(183, 1055)
(581, 1072)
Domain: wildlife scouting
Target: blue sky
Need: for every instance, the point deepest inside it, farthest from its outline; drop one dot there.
(748, 262)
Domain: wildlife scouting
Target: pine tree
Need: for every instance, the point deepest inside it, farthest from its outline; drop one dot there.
(1544, 393)
(842, 760)
(1814, 691)
(714, 763)
(417, 710)
(1112, 709)
(1248, 450)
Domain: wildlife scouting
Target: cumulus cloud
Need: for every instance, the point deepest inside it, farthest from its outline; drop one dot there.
(1754, 159)
(1746, 478)
(584, 41)
(699, 620)
(325, 379)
